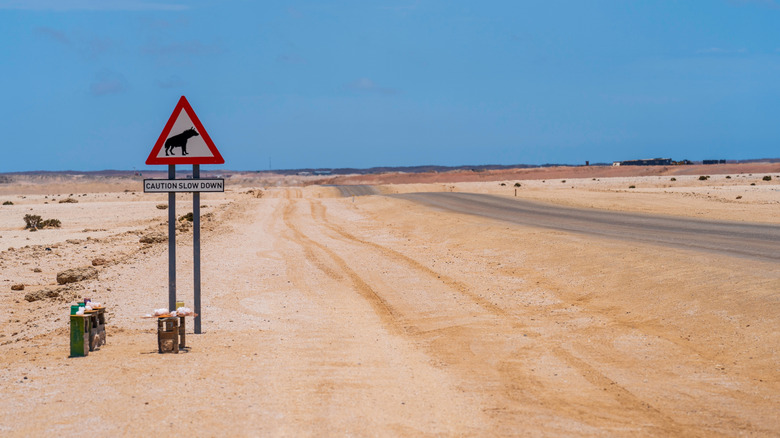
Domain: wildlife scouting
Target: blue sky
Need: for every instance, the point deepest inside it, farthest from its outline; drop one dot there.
(89, 84)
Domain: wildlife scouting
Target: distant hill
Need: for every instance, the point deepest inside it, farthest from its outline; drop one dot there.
(184, 170)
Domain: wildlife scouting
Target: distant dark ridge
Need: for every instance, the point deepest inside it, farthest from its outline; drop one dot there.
(760, 160)
(107, 172)
(417, 169)
(110, 173)
(182, 170)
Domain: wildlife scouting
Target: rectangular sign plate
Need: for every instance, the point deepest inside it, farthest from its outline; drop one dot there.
(184, 185)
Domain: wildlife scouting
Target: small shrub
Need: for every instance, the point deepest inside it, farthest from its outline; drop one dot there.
(673, 179)
(186, 217)
(503, 184)
(767, 178)
(162, 206)
(32, 222)
(739, 197)
(52, 223)
(752, 184)
(517, 184)
(563, 180)
(703, 178)
(631, 187)
(68, 201)
(728, 176)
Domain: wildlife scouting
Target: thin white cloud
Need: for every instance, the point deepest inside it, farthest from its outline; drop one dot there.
(179, 52)
(90, 47)
(95, 47)
(108, 82)
(173, 81)
(286, 58)
(401, 8)
(90, 5)
(367, 85)
(646, 99)
(53, 34)
(772, 4)
(720, 51)
(187, 48)
(294, 12)
(156, 24)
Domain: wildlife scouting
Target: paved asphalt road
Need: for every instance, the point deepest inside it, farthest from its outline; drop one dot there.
(357, 190)
(757, 241)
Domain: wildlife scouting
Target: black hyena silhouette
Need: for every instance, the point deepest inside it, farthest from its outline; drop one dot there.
(180, 140)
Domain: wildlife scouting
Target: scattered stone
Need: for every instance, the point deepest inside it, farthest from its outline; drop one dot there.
(38, 269)
(154, 237)
(76, 274)
(42, 294)
(162, 206)
(17, 287)
(100, 261)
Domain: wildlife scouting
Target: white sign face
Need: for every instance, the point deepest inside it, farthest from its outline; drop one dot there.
(183, 185)
(184, 140)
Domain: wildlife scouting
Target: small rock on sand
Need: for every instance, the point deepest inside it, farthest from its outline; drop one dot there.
(41, 294)
(154, 237)
(100, 261)
(76, 274)
(17, 287)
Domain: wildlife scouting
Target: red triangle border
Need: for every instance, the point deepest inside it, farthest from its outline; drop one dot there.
(183, 105)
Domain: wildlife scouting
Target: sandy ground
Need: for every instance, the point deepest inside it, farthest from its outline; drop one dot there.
(374, 316)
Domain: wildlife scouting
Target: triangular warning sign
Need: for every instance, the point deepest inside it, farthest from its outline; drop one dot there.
(184, 140)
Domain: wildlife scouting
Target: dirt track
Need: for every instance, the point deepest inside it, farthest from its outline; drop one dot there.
(378, 316)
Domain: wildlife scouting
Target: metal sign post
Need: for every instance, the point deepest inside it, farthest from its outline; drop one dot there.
(196, 246)
(172, 241)
(158, 185)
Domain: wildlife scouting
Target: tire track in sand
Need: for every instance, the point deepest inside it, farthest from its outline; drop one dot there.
(318, 212)
(311, 248)
(641, 411)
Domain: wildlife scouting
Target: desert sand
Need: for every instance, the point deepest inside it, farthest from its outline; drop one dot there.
(375, 316)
